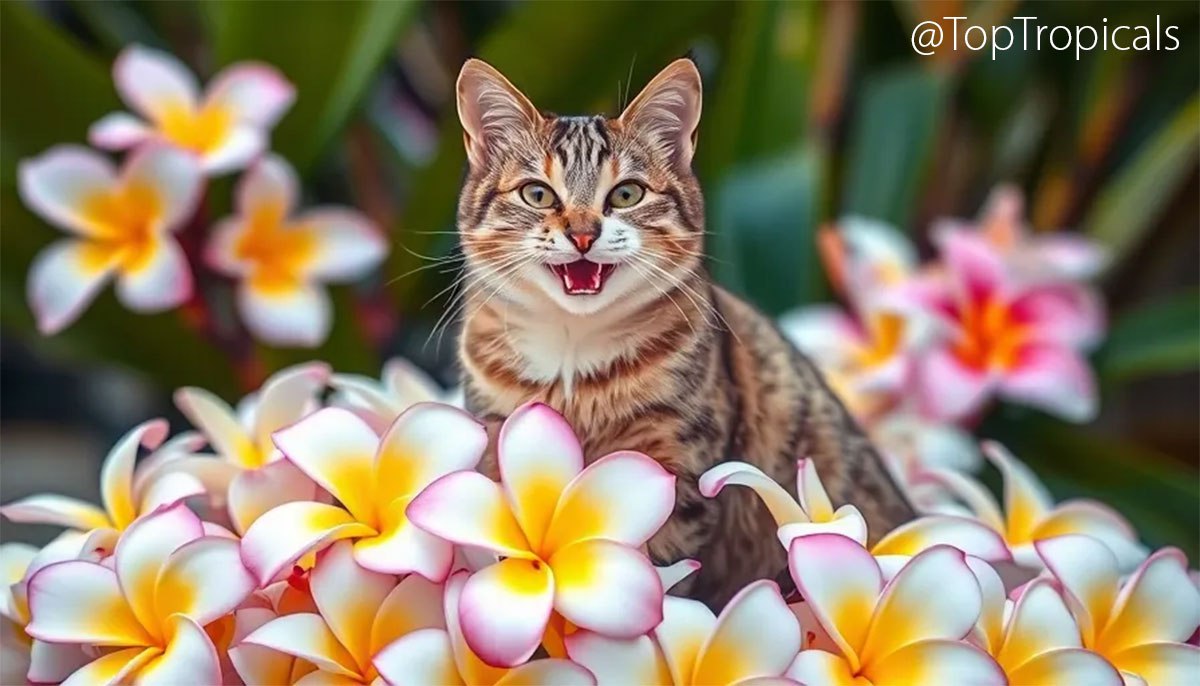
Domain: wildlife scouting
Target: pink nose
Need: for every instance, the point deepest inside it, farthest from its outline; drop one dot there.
(582, 240)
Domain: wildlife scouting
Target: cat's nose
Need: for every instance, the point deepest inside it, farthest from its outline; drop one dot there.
(582, 239)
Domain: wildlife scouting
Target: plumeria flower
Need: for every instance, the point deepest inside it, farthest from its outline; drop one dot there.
(374, 478)
(1141, 625)
(442, 656)
(1034, 638)
(863, 255)
(1018, 339)
(908, 631)
(127, 492)
(754, 640)
(249, 475)
(226, 128)
(379, 402)
(360, 613)
(814, 513)
(912, 444)
(166, 582)
(568, 535)
(281, 258)
(120, 223)
(1030, 515)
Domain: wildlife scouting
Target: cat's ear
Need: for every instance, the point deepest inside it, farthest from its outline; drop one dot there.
(667, 111)
(491, 109)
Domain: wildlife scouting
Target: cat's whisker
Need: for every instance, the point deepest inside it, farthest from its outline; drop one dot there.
(647, 277)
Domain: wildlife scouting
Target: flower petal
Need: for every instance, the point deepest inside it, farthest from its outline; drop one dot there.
(1159, 603)
(619, 661)
(142, 552)
(422, 657)
(1026, 500)
(756, 635)
(153, 82)
(81, 602)
(413, 604)
(1054, 378)
(820, 667)
(173, 175)
(948, 389)
(1087, 570)
(255, 492)
(1040, 622)
(1066, 666)
(58, 510)
(673, 574)
(298, 316)
(426, 442)
(548, 671)
(976, 268)
(116, 477)
(824, 332)
(336, 449)
(169, 488)
(216, 420)
(242, 145)
(348, 244)
(63, 280)
(469, 509)
(624, 497)
(112, 668)
(306, 636)
(989, 629)
(52, 663)
(278, 538)
(782, 506)
(968, 535)
(401, 547)
(1098, 521)
(348, 597)
(286, 397)
(251, 92)
(841, 582)
(538, 455)
(60, 183)
(504, 608)
(607, 587)
(813, 498)
(1075, 257)
(938, 662)
(190, 657)
(119, 131)
(471, 668)
(1162, 664)
(164, 281)
(848, 522)
(1061, 312)
(270, 184)
(203, 580)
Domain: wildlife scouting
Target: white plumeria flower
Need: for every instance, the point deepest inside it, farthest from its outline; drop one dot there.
(402, 385)
(864, 255)
(1033, 637)
(569, 537)
(754, 640)
(374, 478)
(249, 475)
(128, 492)
(442, 656)
(120, 225)
(281, 259)
(226, 128)
(814, 513)
(360, 613)
(907, 631)
(166, 582)
(1030, 514)
(1141, 626)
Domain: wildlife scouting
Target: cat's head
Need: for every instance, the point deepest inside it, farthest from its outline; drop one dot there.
(582, 212)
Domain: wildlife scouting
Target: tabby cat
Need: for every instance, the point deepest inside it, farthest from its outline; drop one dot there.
(587, 290)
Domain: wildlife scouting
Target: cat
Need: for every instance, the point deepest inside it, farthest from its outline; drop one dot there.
(583, 240)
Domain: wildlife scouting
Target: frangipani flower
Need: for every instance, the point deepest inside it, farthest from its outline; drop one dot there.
(1030, 514)
(361, 612)
(754, 640)
(282, 259)
(380, 402)
(1140, 626)
(568, 535)
(815, 514)
(374, 478)
(908, 631)
(1034, 638)
(167, 581)
(127, 493)
(226, 128)
(120, 225)
(1018, 339)
(442, 656)
(250, 475)
(863, 255)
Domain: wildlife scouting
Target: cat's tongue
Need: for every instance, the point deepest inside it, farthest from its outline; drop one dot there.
(582, 277)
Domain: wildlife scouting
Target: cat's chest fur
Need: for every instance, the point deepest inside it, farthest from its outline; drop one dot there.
(558, 351)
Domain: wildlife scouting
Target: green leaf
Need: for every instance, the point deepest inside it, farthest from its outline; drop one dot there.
(1162, 337)
(891, 142)
(1132, 201)
(329, 50)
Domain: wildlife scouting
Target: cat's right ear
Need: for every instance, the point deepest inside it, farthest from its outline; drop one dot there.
(491, 109)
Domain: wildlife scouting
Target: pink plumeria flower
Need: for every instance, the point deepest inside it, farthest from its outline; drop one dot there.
(360, 613)
(281, 259)
(568, 535)
(374, 478)
(225, 128)
(1033, 637)
(1030, 515)
(754, 640)
(248, 475)
(442, 656)
(120, 223)
(167, 581)
(379, 402)
(1141, 625)
(1004, 336)
(127, 492)
(875, 625)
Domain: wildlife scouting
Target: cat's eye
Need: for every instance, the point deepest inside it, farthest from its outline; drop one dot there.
(627, 194)
(537, 195)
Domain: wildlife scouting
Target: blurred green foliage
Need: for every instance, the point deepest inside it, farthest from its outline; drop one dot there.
(812, 111)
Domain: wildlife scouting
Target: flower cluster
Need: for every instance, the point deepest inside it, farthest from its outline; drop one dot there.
(922, 349)
(125, 223)
(348, 538)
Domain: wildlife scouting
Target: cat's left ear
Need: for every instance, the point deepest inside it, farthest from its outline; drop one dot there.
(492, 111)
(667, 111)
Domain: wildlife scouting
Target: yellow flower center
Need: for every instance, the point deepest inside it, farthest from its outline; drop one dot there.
(278, 250)
(885, 330)
(124, 224)
(200, 130)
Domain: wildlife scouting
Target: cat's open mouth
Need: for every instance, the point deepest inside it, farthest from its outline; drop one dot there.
(583, 277)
